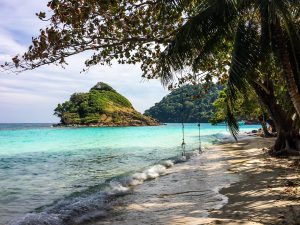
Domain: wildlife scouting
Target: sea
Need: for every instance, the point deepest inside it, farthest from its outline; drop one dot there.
(55, 175)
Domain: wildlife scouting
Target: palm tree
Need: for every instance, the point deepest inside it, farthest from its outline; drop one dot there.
(260, 31)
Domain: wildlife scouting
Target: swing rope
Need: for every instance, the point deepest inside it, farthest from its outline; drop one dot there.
(200, 144)
(182, 125)
(199, 117)
(183, 144)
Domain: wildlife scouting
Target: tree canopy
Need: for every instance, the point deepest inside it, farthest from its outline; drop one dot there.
(188, 104)
(126, 31)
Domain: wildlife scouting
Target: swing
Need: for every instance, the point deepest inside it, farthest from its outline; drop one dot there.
(183, 153)
(183, 144)
(199, 136)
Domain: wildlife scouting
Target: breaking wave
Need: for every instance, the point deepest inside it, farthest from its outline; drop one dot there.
(91, 206)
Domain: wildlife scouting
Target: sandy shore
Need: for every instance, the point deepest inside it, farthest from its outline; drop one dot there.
(269, 189)
(232, 183)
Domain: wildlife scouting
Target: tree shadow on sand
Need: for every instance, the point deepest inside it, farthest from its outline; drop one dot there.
(267, 193)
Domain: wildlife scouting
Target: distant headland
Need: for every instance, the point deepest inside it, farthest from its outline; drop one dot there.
(186, 104)
(102, 106)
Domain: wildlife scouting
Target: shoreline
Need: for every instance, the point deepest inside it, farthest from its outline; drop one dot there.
(250, 188)
(101, 125)
(171, 197)
(268, 189)
(229, 183)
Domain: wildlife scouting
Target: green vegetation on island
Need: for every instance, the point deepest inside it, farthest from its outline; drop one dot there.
(188, 104)
(101, 106)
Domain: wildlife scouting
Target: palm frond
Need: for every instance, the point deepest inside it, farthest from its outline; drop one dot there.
(245, 57)
(291, 28)
(214, 19)
(230, 119)
(264, 10)
(198, 30)
(210, 47)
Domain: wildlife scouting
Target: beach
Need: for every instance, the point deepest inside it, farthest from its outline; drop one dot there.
(73, 175)
(144, 180)
(268, 191)
(248, 187)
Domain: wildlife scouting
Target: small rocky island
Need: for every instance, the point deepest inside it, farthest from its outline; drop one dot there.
(102, 106)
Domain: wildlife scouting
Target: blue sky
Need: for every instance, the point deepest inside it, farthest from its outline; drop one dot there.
(31, 96)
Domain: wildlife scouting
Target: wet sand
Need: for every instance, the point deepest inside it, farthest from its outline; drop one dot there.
(232, 183)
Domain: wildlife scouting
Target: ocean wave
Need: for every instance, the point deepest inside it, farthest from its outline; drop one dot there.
(92, 206)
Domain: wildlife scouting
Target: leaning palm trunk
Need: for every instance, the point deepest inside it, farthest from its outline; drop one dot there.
(283, 54)
(287, 136)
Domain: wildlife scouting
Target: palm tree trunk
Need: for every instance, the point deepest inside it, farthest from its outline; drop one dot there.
(282, 50)
(287, 136)
(264, 127)
(272, 125)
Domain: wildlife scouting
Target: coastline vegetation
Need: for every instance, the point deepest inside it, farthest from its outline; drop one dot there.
(188, 104)
(247, 108)
(250, 47)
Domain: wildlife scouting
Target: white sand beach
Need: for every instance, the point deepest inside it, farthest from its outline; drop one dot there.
(254, 189)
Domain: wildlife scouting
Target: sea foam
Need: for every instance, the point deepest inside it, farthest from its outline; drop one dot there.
(87, 208)
(37, 218)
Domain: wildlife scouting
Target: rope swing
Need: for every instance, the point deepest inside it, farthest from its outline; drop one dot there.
(199, 128)
(183, 144)
(183, 152)
(197, 82)
(200, 147)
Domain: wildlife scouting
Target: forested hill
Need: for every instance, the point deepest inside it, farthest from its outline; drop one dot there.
(101, 106)
(185, 103)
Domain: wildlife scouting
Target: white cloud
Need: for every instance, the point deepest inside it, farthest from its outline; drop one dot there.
(8, 45)
(31, 96)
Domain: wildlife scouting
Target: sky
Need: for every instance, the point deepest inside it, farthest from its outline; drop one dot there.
(30, 97)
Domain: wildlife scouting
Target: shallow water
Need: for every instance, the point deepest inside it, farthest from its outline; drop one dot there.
(59, 172)
(185, 194)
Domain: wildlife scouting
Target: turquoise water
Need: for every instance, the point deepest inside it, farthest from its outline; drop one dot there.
(60, 167)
